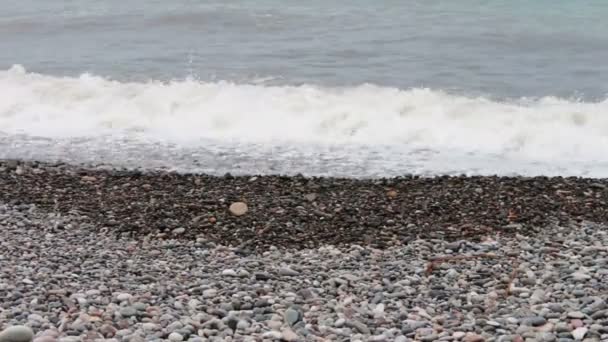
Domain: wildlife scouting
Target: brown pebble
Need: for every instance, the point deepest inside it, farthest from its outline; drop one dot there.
(108, 331)
(471, 337)
(576, 323)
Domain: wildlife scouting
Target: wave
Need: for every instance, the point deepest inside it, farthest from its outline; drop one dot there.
(189, 111)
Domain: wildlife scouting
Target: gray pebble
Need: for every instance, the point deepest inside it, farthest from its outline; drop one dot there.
(17, 333)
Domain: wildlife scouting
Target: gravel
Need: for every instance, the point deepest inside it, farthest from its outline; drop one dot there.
(256, 213)
(68, 279)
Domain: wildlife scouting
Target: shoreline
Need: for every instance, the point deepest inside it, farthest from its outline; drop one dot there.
(299, 212)
(73, 270)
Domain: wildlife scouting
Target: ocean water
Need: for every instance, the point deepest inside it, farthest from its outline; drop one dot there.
(334, 88)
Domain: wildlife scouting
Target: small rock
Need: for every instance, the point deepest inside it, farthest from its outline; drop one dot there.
(562, 327)
(545, 337)
(178, 231)
(534, 321)
(310, 197)
(576, 314)
(292, 316)
(576, 323)
(580, 276)
(149, 326)
(261, 303)
(458, 334)
(123, 297)
(261, 276)
(238, 208)
(229, 273)
(362, 328)
(471, 337)
(17, 333)
(288, 335)
(175, 326)
(273, 335)
(579, 333)
(175, 337)
(286, 271)
(209, 293)
(107, 331)
(45, 339)
(429, 338)
(455, 245)
(128, 312)
(556, 307)
(242, 325)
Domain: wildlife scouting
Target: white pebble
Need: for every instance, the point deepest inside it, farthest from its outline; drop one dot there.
(579, 333)
(273, 335)
(175, 337)
(123, 297)
(229, 273)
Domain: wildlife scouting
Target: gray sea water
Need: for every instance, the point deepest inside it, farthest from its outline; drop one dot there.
(390, 87)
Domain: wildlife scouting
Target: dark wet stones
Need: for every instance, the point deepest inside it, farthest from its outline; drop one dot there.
(282, 212)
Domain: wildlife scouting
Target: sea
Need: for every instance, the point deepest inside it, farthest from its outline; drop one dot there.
(345, 88)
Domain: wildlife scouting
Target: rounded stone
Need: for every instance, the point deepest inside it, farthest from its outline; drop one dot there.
(178, 231)
(122, 297)
(17, 333)
(175, 337)
(534, 321)
(45, 339)
(238, 208)
(229, 273)
(289, 335)
(292, 316)
(128, 312)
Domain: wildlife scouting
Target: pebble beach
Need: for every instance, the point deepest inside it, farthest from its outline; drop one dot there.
(121, 255)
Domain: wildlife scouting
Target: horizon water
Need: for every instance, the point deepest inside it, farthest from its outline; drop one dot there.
(342, 88)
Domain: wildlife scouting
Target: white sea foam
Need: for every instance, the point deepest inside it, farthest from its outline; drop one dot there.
(188, 112)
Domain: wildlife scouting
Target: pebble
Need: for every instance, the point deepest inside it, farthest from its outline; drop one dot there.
(209, 293)
(238, 208)
(289, 335)
(360, 327)
(576, 314)
(17, 333)
(580, 276)
(128, 311)
(472, 337)
(178, 231)
(273, 335)
(291, 316)
(579, 333)
(534, 321)
(229, 273)
(286, 271)
(175, 337)
(123, 297)
(45, 339)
